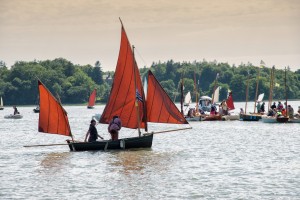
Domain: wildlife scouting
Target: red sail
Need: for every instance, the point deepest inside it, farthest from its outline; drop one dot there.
(122, 97)
(92, 99)
(229, 102)
(52, 118)
(160, 108)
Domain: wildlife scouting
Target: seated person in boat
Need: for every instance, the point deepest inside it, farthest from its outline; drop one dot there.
(298, 112)
(191, 112)
(16, 110)
(272, 112)
(258, 107)
(290, 110)
(213, 110)
(224, 107)
(114, 126)
(273, 106)
(279, 106)
(242, 111)
(283, 112)
(92, 133)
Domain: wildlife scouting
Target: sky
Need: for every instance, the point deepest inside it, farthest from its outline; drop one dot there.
(84, 31)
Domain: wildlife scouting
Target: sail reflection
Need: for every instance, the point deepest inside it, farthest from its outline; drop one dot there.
(55, 162)
(132, 162)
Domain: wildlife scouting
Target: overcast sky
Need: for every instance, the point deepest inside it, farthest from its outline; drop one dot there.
(84, 31)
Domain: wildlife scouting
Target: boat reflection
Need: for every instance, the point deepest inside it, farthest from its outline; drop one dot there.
(133, 162)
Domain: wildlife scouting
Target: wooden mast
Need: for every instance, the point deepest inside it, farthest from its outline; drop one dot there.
(247, 90)
(286, 106)
(136, 100)
(271, 87)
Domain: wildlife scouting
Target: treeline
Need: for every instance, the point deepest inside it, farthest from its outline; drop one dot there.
(74, 83)
(71, 83)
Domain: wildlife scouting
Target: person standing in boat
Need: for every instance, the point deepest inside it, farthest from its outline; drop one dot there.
(92, 133)
(16, 110)
(262, 107)
(114, 126)
(290, 111)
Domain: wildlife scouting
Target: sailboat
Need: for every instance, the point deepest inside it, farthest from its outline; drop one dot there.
(214, 100)
(92, 99)
(1, 104)
(275, 119)
(127, 100)
(252, 116)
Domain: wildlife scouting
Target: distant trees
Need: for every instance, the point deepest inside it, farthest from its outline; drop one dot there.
(74, 83)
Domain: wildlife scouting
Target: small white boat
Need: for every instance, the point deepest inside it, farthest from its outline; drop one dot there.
(11, 116)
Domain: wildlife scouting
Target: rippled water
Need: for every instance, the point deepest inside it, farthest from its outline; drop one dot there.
(214, 160)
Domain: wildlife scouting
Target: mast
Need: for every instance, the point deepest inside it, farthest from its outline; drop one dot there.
(247, 90)
(181, 91)
(257, 81)
(196, 93)
(136, 100)
(271, 87)
(285, 92)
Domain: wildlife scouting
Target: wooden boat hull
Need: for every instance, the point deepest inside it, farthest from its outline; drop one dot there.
(268, 119)
(212, 118)
(250, 117)
(121, 144)
(17, 116)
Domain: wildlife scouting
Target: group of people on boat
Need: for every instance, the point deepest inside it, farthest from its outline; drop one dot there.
(113, 128)
(280, 110)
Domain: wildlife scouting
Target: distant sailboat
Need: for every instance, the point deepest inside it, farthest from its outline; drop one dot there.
(252, 116)
(1, 104)
(92, 99)
(187, 99)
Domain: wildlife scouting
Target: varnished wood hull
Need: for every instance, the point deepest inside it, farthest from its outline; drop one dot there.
(121, 144)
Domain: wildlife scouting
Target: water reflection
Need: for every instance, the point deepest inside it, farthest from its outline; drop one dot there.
(133, 162)
(55, 162)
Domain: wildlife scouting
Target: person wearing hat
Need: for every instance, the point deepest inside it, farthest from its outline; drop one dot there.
(92, 133)
(114, 126)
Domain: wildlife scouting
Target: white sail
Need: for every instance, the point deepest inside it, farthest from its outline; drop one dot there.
(216, 96)
(187, 99)
(260, 97)
(145, 86)
(1, 103)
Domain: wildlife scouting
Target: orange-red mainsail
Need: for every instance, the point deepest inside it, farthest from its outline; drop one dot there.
(52, 118)
(122, 97)
(229, 102)
(160, 108)
(92, 98)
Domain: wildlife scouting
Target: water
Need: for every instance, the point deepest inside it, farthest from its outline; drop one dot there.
(214, 160)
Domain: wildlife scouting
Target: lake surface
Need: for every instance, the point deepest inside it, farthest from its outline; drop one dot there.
(213, 160)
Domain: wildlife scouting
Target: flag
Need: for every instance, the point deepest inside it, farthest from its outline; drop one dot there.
(138, 96)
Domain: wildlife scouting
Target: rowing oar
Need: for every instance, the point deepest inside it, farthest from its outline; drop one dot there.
(167, 131)
(43, 145)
